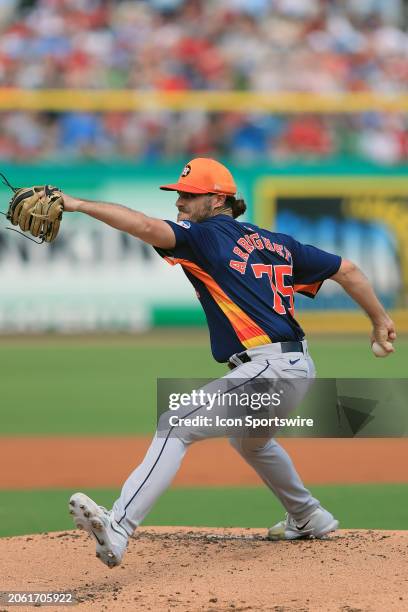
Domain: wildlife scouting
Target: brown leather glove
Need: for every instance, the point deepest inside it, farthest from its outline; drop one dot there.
(37, 210)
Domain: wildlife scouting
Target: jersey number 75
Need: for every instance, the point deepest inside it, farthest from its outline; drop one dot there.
(276, 275)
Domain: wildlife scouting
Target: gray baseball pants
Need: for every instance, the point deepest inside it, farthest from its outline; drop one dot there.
(271, 462)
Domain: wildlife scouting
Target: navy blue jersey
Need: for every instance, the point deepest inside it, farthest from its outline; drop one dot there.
(245, 278)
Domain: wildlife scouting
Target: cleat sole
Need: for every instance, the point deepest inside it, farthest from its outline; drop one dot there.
(88, 517)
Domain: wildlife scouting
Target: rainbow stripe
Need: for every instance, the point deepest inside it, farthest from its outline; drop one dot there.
(248, 332)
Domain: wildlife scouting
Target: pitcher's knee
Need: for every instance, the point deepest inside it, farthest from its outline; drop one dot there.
(186, 435)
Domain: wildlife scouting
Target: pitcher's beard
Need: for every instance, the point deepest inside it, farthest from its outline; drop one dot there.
(204, 212)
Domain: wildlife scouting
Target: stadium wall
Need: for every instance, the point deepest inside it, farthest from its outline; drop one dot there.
(99, 279)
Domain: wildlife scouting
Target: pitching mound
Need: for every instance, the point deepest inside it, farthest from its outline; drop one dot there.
(215, 569)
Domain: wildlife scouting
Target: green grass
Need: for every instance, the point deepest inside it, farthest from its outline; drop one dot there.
(356, 506)
(90, 389)
(104, 389)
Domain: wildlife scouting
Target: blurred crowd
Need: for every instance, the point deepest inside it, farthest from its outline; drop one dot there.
(325, 46)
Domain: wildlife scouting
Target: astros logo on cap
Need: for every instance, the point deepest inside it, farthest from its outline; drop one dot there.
(203, 175)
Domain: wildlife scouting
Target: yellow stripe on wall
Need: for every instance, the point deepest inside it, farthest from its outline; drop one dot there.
(345, 322)
(215, 101)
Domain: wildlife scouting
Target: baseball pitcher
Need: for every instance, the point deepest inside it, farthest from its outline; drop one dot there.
(245, 278)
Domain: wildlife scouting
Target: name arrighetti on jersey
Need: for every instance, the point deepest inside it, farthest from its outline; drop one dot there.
(246, 278)
(248, 243)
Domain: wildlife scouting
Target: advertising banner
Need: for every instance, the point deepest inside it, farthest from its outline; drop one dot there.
(94, 277)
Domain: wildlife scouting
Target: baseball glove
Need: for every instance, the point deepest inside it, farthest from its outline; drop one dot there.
(37, 210)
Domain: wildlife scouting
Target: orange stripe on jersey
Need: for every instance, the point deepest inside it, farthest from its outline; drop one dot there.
(248, 332)
(308, 289)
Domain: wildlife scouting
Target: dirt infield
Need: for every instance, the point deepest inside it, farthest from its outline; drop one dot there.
(197, 569)
(37, 462)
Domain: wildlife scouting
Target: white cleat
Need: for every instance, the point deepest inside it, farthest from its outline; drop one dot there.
(317, 525)
(111, 538)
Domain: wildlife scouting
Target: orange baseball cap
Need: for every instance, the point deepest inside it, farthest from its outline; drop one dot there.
(203, 175)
